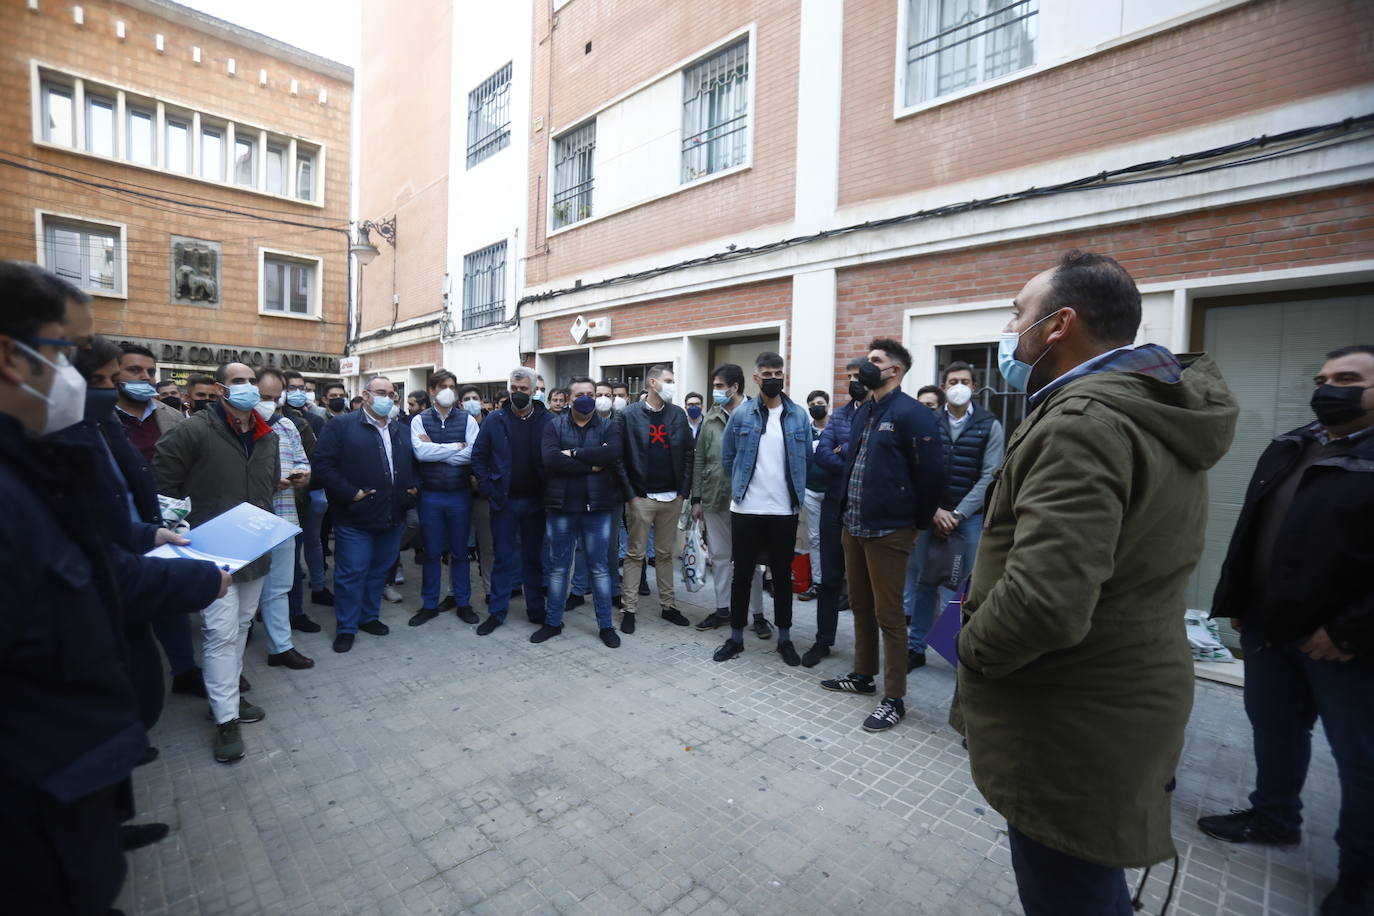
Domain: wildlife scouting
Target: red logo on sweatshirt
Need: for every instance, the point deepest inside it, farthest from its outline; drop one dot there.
(658, 432)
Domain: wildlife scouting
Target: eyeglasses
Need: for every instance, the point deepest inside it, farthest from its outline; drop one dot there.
(65, 348)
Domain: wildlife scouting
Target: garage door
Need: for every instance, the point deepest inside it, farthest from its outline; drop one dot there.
(1268, 352)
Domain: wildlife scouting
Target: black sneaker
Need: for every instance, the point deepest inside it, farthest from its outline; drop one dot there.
(888, 714)
(545, 632)
(761, 628)
(422, 616)
(343, 642)
(644, 586)
(610, 637)
(813, 655)
(617, 602)
(448, 604)
(574, 600)
(466, 614)
(190, 682)
(718, 618)
(728, 651)
(323, 597)
(303, 624)
(1247, 826)
(915, 659)
(809, 595)
(851, 683)
(489, 625)
(788, 653)
(674, 616)
(627, 622)
(375, 627)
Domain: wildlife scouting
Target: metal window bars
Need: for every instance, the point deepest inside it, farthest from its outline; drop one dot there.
(715, 112)
(574, 175)
(484, 286)
(489, 116)
(973, 41)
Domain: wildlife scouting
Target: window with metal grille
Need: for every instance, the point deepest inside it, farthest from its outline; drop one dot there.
(954, 44)
(573, 175)
(715, 112)
(489, 117)
(484, 287)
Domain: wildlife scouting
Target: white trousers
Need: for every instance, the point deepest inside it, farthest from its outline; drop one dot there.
(718, 545)
(813, 532)
(224, 628)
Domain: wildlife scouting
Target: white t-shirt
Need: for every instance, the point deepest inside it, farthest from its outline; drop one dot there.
(768, 492)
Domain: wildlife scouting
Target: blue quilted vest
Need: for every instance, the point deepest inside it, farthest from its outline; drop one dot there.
(964, 456)
(440, 475)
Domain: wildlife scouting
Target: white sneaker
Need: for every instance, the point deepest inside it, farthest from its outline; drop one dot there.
(390, 594)
(400, 577)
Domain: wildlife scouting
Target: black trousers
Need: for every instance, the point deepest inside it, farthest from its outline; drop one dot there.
(1054, 883)
(832, 573)
(774, 538)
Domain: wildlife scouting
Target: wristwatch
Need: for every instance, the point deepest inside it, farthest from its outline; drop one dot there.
(958, 515)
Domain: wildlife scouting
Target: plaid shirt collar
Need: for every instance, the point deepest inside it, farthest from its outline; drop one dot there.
(1149, 359)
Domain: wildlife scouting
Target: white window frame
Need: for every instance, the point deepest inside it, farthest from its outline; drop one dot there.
(749, 114)
(132, 109)
(495, 95)
(89, 102)
(979, 31)
(76, 85)
(316, 156)
(589, 192)
(317, 283)
(221, 132)
(41, 220)
(285, 151)
(253, 160)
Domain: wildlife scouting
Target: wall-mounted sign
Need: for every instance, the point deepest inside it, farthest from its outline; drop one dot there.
(190, 353)
(349, 365)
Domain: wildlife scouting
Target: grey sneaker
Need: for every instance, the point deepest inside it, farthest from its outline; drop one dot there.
(761, 628)
(390, 594)
(228, 743)
(249, 712)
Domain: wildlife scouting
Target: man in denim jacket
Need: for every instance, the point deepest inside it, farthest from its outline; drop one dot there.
(767, 442)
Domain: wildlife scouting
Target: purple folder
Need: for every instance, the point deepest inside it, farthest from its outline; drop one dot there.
(945, 634)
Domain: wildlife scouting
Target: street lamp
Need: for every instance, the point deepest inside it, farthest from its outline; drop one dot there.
(363, 248)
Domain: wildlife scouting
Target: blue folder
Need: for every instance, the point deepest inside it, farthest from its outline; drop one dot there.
(232, 540)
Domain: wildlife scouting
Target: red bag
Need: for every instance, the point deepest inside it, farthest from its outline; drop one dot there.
(801, 572)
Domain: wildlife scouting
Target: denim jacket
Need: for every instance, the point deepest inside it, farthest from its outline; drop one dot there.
(740, 448)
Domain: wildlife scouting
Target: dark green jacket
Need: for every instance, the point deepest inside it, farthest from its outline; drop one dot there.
(1076, 679)
(203, 460)
(710, 483)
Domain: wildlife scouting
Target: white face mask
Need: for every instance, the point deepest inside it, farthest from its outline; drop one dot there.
(959, 394)
(66, 399)
(310, 397)
(666, 391)
(618, 403)
(604, 404)
(265, 410)
(445, 398)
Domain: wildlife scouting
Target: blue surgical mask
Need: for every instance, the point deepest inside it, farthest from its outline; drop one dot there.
(474, 408)
(382, 405)
(140, 392)
(1016, 373)
(297, 398)
(539, 396)
(721, 398)
(244, 397)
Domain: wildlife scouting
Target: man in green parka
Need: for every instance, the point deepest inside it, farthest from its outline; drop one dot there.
(1076, 679)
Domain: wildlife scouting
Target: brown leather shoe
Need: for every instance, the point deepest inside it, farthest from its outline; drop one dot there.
(291, 659)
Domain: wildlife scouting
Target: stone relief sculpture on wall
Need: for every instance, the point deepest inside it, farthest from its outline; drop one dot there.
(195, 271)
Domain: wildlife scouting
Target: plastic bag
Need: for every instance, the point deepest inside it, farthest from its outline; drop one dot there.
(174, 512)
(1204, 638)
(693, 559)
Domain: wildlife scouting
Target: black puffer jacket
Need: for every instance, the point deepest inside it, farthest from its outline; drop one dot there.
(571, 484)
(1323, 554)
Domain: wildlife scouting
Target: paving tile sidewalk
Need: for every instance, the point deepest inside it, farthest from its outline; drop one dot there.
(435, 771)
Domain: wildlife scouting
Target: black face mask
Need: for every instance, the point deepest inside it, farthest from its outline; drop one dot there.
(519, 400)
(200, 405)
(1338, 404)
(870, 376)
(338, 405)
(857, 391)
(817, 411)
(771, 387)
(172, 401)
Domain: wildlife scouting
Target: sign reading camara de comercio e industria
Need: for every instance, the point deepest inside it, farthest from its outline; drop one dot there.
(188, 353)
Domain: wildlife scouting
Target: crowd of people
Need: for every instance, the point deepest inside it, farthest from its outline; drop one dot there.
(1065, 551)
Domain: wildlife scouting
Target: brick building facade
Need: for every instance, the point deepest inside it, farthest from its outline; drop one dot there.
(906, 172)
(192, 175)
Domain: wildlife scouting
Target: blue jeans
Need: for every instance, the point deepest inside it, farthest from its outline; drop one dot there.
(1054, 883)
(445, 517)
(580, 583)
(311, 520)
(173, 633)
(1285, 693)
(521, 518)
(593, 530)
(923, 602)
(362, 559)
(273, 605)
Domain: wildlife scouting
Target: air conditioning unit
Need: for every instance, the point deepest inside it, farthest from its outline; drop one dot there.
(599, 328)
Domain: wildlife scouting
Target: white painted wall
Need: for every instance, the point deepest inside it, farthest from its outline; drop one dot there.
(487, 203)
